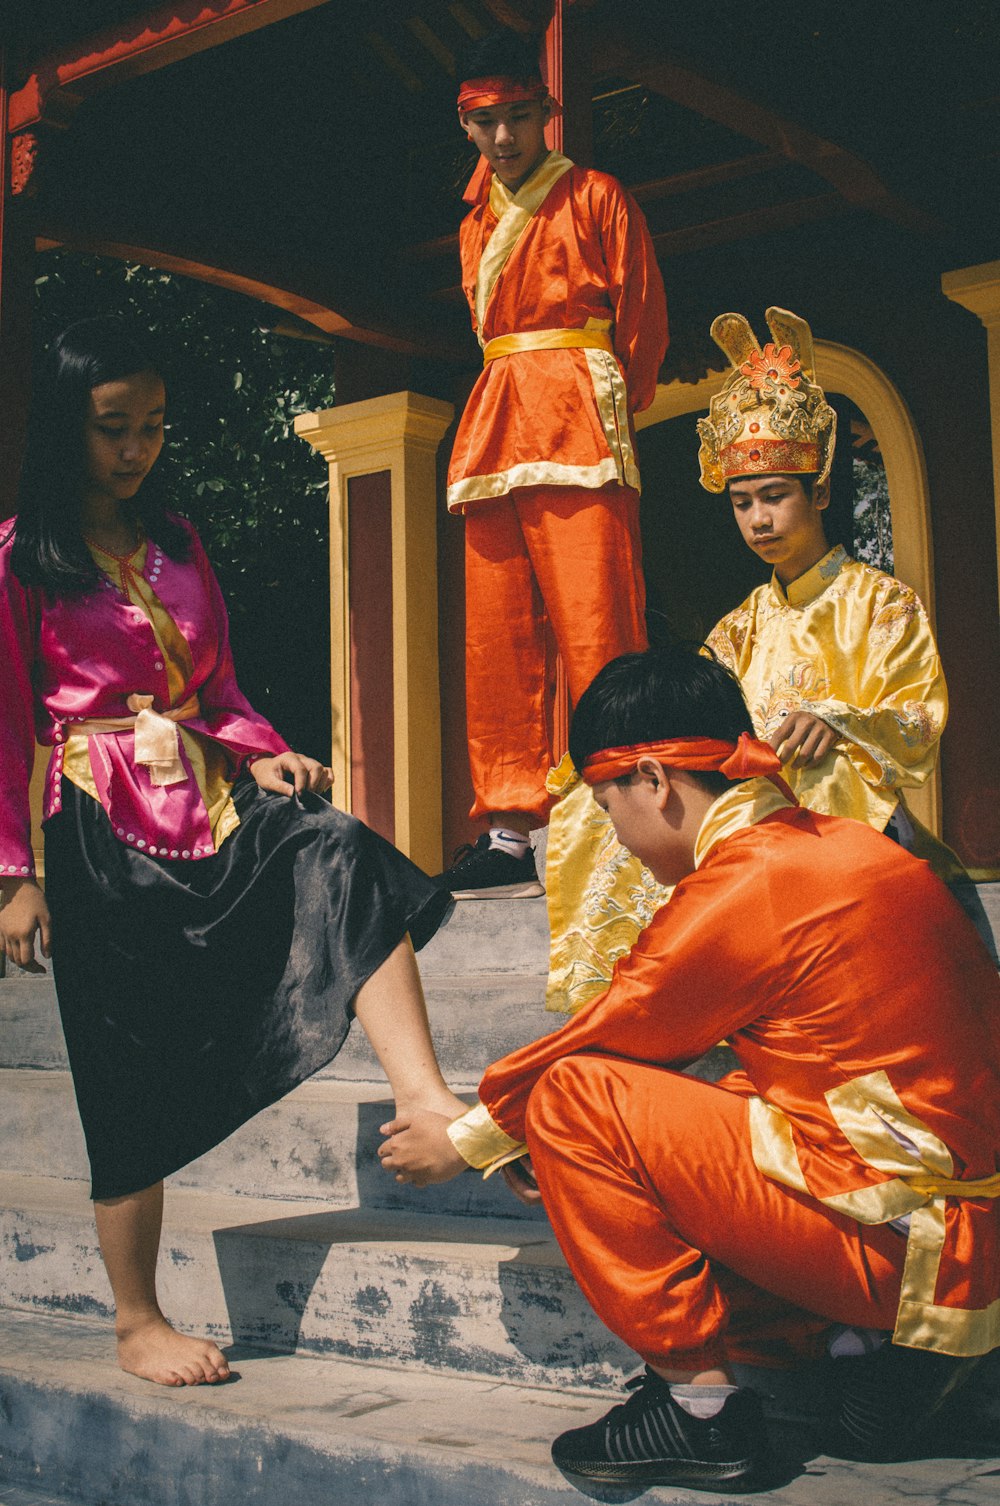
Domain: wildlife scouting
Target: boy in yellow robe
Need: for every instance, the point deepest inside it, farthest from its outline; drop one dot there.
(837, 660)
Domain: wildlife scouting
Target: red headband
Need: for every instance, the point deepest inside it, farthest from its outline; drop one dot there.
(482, 93)
(744, 759)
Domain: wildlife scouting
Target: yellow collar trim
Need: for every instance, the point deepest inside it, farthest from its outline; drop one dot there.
(738, 808)
(807, 587)
(514, 213)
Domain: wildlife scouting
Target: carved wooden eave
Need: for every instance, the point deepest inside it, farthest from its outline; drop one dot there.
(57, 85)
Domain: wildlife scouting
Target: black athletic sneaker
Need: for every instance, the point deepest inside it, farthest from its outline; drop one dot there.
(650, 1440)
(885, 1399)
(485, 872)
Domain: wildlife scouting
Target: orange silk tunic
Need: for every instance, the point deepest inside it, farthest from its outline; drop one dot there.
(866, 1016)
(569, 251)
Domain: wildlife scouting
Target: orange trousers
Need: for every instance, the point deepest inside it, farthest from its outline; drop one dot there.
(682, 1247)
(561, 552)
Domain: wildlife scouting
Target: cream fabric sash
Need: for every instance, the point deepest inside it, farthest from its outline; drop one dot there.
(514, 213)
(157, 741)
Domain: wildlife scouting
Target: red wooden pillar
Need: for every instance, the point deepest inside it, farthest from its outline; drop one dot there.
(566, 68)
(17, 253)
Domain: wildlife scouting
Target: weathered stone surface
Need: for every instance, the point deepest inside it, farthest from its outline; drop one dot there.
(489, 1296)
(319, 1144)
(296, 1430)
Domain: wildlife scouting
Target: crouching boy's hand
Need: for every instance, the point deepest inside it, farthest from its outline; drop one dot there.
(418, 1149)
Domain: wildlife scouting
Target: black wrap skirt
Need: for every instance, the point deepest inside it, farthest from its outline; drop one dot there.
(194, 994)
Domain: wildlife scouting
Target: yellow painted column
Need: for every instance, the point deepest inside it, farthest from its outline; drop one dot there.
(978, 290)
(399, 433)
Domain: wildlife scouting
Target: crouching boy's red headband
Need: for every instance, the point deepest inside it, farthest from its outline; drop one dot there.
(743, 759)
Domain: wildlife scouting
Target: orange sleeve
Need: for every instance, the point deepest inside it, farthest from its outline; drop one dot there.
(679, 992)
(635, 287)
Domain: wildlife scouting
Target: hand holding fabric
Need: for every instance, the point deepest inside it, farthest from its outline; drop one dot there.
(291, 773)
(803, 739)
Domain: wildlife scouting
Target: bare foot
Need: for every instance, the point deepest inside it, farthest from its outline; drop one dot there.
(157, 1352)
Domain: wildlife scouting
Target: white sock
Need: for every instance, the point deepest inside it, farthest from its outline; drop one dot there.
(511, 842)
(702, 1401)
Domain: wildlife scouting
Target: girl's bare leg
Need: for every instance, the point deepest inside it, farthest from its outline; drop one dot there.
(390, 1009)
(129, 1232)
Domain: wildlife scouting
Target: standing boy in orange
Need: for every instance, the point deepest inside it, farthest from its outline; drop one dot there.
(568, 304)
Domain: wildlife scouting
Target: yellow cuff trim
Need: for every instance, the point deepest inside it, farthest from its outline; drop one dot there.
(479, 1140)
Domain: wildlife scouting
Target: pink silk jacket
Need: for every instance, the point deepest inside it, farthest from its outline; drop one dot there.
(79, 658)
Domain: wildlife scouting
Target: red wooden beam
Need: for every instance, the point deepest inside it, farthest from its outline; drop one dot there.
(770, 218)
(328, 308)
(141, 45)
(855, 179)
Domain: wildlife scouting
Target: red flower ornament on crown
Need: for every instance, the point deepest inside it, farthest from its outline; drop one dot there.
(771, 415)
(771, 365)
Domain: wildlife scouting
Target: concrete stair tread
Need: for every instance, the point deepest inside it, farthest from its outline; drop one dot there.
(481, 1240)
(27, 1495)
(292, 1429)
(494, 935)
(467, 1295)
(475, 1018)
(318, 1146)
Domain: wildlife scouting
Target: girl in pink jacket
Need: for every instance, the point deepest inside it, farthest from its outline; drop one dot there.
(213, 923)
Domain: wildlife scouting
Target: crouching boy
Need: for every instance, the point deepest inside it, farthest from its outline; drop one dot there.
(846, 1175)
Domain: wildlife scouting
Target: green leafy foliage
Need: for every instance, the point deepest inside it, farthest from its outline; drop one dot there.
(256, 493)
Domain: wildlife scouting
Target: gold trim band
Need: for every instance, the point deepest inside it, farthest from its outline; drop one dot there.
(942, 1187)
(547, 339)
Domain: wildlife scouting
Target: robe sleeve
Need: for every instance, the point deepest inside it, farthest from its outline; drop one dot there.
(637, 295)
(17, 733)
(682, 989)
(227, 714)
(726, 640)
(891, 736)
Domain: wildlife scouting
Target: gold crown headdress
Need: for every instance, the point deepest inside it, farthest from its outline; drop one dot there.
(771, 417)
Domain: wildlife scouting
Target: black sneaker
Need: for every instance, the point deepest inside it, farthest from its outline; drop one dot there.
(650, 1440)
(485, 872)
(884, 1400)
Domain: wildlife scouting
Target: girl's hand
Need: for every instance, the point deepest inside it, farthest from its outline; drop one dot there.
(291, 773)
(24, 911)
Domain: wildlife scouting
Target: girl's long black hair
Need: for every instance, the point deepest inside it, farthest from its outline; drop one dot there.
(49, 550)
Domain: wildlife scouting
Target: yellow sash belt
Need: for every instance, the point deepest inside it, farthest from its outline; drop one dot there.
(157, 743)
(942, 1187)
(547, 339)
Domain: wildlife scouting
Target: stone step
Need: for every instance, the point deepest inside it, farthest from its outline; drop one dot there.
(294, 1430)
(490, 936)
(319, 1144)
(475, 1018)
(485, 1296)
(27, 1495)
